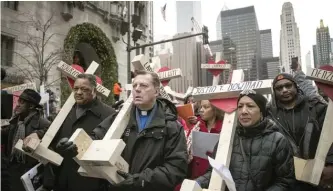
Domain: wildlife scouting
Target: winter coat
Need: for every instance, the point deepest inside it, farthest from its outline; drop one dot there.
(158, 153)
(198, 166)
(66, 176)
(268, 162)
(116, 89)
(302, 126)
(36, 124)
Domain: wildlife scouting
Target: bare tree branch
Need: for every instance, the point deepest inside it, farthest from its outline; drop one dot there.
(39, 60)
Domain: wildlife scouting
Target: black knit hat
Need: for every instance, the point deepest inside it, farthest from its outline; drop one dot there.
(31, 96)
(283, 76)
(259, 99)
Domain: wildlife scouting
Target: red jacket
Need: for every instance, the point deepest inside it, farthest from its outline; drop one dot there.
(199, 166)
(79, 68)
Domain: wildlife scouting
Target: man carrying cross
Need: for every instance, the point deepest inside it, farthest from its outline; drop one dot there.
(26, 123)
(87, 113)
(155, 142)
(300, 119)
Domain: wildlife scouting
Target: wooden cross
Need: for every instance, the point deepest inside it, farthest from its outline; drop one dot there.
(310, 170)
(39, 150)
(216, 67)
(102, 158)
(225, 145)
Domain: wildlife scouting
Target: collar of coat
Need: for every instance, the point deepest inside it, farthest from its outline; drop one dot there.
(264, 127)
(27, 119)
(94, 107)
(164, 111)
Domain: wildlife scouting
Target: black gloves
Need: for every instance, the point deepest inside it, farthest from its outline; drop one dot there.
(130, 181)
(66, 148)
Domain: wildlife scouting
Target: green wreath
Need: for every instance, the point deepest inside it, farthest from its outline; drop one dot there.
(89, 33)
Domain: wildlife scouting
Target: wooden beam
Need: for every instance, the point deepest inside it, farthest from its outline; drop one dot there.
(225, 145)
(170, 74)
(216, 66)
(231, 90)
(21, 87)
(323, 76)
(71, 72)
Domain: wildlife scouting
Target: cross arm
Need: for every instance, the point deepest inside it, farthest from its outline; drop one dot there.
(73, 73)
(231, 90)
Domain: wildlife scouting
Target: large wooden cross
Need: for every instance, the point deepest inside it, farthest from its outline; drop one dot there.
(39, 150)
(225, 145)
(310, 170)
(102, 158)
(216, 67)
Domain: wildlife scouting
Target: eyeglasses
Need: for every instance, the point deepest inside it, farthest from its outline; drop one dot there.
(247, 92)
(280, 87)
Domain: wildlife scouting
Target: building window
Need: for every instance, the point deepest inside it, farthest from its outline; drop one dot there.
(7, 50)
(11, 4)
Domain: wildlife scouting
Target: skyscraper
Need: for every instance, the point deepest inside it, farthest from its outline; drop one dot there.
(308, 60)
(219, 27)
(241, 40)
(315, 56)
(323, 44)
(289, 38)
(185, 11)
(188, 54)
(270, 68)
(266, 43)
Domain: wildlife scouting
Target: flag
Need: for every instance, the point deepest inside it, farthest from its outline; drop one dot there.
(163, 11)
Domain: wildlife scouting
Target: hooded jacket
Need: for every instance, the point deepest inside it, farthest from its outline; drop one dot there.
(157, 155)
(302, 124)
(268, 164)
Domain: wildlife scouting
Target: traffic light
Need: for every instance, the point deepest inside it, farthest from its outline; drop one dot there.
(136, 35)
(205, 35)
(124, 28)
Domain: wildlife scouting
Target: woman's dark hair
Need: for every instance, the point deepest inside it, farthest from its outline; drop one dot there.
(187, 98)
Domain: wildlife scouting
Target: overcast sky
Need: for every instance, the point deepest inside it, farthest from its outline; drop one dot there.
(307, 14)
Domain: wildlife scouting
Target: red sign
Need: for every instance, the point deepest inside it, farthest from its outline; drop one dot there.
(215, 72)
(163, 69)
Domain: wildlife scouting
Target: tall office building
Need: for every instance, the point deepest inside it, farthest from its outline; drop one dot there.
(266, 43)
(315, 56)
(323, 44)
(219, 27)
(188, 54)
(289, 38)
(241, 40)
(185, 11)
(308, 60)
(331, 50)
(270, 68)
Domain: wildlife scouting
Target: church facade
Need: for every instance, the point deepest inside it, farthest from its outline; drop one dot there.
(37, 33)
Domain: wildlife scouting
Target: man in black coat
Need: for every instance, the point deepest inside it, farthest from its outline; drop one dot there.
(26, 123)
(87, 113)
(155, 141)
(300, 119)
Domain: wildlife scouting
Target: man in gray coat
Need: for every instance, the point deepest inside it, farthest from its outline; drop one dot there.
(87, 113)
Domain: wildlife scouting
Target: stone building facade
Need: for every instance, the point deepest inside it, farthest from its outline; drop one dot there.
(105, 15)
